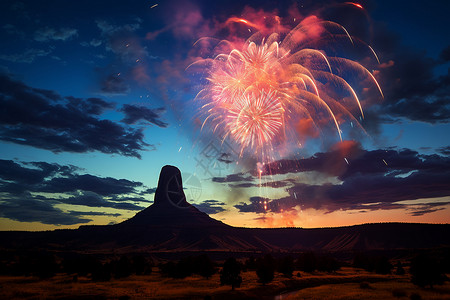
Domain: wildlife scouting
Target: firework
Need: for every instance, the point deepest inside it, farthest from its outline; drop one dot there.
(257, 92)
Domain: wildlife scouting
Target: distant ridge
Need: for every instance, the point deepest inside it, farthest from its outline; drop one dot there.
(171, 224)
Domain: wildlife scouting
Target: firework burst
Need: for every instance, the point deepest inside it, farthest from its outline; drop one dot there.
(257, 92)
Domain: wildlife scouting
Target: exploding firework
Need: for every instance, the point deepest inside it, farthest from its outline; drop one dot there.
(258, 92)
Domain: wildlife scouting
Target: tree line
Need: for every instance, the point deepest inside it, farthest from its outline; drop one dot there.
(426, 269)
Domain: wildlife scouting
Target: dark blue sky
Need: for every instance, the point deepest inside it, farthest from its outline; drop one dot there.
(95, 99)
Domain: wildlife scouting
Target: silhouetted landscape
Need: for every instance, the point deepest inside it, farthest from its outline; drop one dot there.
(172, 241)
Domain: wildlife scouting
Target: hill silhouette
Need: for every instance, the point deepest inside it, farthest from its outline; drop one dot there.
(171, 224)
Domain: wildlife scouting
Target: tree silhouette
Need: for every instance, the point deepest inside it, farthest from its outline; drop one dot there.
(307, 262)
(327, 264)
(250, 263)
(265, 269)
(230, 274)
(100, 272)
(141, 265)
(286, 266)
(377, 264)
(426, 270)
(122, 267)
(399, 270)
(204, 266)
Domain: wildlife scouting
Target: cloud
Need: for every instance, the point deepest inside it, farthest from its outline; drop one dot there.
(133, 114)
(210, 206)
(54, 178)
(31, 210)
(256, 205)
(233, 178)
(93, 43)
(359, 179)
(104, 186)
(31, 191)
(412, 90)
(91, 199)
(51, 34)
(114, 84)
(92, 213)
(26, 57)
(445, 54)
(43, 119)
(444, 150)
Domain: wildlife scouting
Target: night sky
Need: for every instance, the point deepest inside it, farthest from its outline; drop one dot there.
(95, 97)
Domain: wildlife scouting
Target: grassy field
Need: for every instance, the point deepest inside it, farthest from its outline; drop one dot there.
(348, 283)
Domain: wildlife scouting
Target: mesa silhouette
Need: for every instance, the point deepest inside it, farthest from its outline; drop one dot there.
(171, 224)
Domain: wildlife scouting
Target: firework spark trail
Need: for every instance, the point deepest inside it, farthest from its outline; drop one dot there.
(257, 92)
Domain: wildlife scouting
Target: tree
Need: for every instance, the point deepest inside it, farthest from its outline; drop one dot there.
(286, 266)
(377, 264)
(399, 269)
(122, 267)
(250, 263)
(141, 265)
(426, 270)
(382, 265)
(100, 272)
(327, 264)
(307, 262)
(265, 269)
(205, 266)
(230, 274)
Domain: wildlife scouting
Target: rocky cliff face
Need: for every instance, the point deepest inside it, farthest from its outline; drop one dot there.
(170, 208)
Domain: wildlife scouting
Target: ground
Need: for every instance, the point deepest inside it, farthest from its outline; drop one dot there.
(348, 283)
